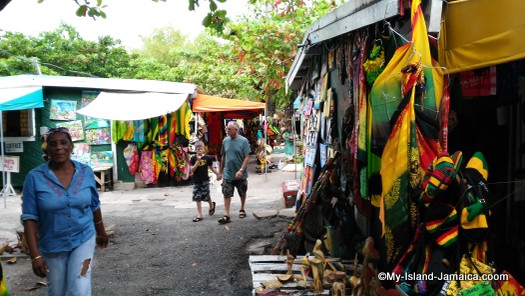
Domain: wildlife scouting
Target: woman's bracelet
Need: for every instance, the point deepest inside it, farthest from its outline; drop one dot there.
(96, 223)
(36, 258)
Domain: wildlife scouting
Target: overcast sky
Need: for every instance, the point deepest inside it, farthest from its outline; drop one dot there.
(126, 20)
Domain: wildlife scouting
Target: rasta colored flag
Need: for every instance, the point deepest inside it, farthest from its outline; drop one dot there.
(408, 109)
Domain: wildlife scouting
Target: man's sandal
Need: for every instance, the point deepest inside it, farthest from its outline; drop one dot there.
(197, 219)
(211, 211)
(242, 214)
(225, 219)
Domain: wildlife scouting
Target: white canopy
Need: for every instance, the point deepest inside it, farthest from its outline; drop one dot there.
(133, 105)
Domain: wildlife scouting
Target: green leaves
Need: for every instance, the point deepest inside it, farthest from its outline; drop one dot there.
(81, 11)
(207, 20)
(191, 6)
(213, 5)
(87, 10)
(266, 43)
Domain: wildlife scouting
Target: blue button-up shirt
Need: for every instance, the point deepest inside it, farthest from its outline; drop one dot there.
(64, 217)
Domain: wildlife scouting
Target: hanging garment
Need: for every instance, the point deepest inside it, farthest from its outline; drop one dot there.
(3, 287)
(153, 129)
(184, 116)
(480, 82)
(172, 130)
(138, 128)
(130, 131)
(131, 155)
(118, 129)
(163, 130)
(215, 132)
(187, 166)
(147, 131)
(359, 143)
(172, 162)
(180, 162)
(404, 131)
(146, 167)
(157, 165)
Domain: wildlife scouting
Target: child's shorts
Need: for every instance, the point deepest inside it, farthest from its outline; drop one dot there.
(201, 191)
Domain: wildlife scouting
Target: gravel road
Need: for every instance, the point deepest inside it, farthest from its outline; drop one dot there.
(156, 249)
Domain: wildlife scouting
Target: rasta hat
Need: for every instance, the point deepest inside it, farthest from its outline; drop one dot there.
(439, 175)
(474, 215)
(442, 224)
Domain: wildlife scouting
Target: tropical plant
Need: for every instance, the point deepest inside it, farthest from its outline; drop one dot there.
(63, 52)
(266, 42)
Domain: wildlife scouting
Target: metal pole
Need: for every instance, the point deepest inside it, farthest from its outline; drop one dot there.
(293, 151)
(196, 125)
(4, 191)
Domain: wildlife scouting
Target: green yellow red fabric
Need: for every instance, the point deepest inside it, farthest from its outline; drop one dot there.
(3, 287)
(404, 138)
(163, 131)
(439, 175)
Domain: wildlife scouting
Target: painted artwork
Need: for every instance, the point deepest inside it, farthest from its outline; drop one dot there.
(81, 153)
(307, 172)
(309, 106)
(314, 122)
(328, 104)
(76, 129)
(324, 88)
(309, 157)
(87, 97)
(101, 158)
(100, 136)
(322, 154)
(331, 60)
(63, 110)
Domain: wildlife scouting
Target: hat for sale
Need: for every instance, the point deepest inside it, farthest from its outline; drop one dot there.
(474, 224)
(439, 175)
(442, 224)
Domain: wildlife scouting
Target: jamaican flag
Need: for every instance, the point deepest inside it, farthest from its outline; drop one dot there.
(404, 131)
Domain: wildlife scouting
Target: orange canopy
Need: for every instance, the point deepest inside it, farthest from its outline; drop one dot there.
(204, 103)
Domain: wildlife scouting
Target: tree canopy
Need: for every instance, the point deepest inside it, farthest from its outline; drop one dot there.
(248, 59)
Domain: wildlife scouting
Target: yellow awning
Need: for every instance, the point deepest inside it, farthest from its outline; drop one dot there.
(481, 33)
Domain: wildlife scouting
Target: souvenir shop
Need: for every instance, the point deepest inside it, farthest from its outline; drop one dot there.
(106, 117)
(412, 159)
(158, 149)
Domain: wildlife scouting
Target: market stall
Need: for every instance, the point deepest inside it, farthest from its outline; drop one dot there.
(218, 110)
(412, 141)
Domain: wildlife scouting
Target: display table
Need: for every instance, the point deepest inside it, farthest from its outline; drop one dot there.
(104, 176)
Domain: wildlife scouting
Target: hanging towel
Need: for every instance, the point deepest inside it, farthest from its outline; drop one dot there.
(138, 128)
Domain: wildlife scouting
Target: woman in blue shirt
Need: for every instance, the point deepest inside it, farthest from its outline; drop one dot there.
(62, 218)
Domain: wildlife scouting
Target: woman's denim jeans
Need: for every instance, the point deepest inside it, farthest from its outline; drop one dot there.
(70, 271)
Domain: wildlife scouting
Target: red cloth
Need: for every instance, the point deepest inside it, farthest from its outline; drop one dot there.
(215, 132)
(479, 82)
